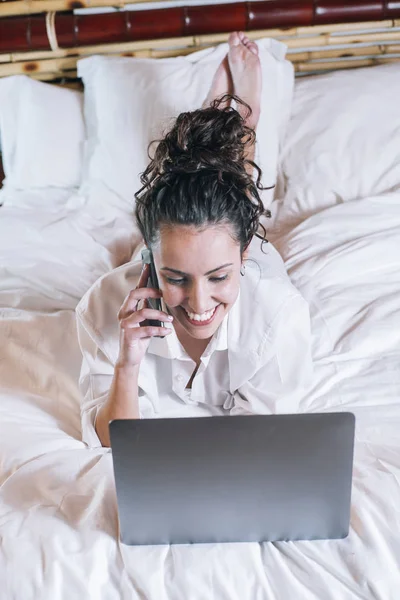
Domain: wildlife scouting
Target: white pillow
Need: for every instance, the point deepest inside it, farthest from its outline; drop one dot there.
(129, 102)
(343, 139)
(42, 134)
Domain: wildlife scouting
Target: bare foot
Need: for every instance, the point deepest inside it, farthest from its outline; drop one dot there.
(221, 84)
(245, 68)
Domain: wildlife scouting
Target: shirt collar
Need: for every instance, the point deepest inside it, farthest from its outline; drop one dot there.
(219, 340)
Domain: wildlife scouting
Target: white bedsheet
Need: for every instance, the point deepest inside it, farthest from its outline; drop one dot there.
(51, 252)
(58, 519)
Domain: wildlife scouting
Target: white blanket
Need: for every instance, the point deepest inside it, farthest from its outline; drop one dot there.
(58, 515)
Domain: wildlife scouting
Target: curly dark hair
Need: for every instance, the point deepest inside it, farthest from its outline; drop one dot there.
(198, 175)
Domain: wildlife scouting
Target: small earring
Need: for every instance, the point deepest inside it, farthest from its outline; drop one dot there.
(243, 270)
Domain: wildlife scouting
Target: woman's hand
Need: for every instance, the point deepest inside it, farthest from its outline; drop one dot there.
(135, 333)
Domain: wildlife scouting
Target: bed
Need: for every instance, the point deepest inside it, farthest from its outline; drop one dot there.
(333, 153)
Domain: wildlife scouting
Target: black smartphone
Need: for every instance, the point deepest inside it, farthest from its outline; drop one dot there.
(147, 259)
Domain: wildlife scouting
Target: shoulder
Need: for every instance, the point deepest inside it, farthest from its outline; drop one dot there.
(97, 311)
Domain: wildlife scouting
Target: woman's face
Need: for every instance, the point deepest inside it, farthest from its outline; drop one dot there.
(198, 273)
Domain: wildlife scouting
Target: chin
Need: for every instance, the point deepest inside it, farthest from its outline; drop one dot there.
(203, 334)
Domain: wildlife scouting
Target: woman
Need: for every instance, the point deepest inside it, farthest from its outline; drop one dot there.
(236, 338)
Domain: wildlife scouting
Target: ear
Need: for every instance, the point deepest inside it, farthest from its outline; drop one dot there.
(246, 252)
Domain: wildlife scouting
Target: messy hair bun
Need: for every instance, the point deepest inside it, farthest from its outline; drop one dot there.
(198, 175)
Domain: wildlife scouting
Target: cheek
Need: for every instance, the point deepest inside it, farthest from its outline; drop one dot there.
(173, 296)
(230, 293)
(226, 292)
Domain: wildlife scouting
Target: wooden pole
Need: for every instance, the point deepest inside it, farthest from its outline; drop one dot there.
(313, 48)
(35, 32)
(31, 7)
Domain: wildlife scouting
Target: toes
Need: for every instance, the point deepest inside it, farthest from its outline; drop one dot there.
(252, 46)
(234, 39)
(246, 41)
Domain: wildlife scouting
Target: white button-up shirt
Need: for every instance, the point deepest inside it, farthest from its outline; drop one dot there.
(173, 368)
(258, 361)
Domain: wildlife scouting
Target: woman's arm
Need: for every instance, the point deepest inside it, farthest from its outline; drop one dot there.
(110, 390)
(122, 401)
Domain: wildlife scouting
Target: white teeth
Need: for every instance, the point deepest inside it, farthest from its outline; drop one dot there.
(204, 317)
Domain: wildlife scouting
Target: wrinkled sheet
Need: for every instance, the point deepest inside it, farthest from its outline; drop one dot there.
(58, 514)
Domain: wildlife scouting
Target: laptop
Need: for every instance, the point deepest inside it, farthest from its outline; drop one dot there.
(233, 479)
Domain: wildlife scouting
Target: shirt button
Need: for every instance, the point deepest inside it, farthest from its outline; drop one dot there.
(179, 378)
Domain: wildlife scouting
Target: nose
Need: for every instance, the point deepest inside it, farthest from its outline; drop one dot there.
(199, 299)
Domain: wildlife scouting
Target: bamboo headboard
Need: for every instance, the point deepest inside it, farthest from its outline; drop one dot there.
(321, 35)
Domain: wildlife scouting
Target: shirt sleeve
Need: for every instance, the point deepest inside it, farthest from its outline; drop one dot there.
(94, 382)
(286, 373)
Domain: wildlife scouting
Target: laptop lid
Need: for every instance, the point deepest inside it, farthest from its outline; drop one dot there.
(233, 479)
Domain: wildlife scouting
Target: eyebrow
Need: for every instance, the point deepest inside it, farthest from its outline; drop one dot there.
(208, 272)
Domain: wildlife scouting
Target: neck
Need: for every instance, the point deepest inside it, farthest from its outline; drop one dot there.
(193, 346)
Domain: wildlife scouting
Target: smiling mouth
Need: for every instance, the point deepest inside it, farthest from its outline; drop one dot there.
(200, 320)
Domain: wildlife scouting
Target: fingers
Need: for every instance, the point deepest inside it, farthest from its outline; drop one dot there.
(132, 300)
(134, 319)
(139, 333)
(144, 276)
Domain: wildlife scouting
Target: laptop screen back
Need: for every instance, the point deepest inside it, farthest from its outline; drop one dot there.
(229, 479)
